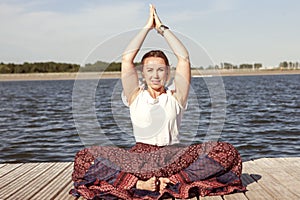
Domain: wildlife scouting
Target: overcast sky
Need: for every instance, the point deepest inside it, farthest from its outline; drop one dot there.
(234, 31)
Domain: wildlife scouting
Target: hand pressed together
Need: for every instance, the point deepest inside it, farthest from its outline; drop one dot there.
(153, 20)
(151, 184)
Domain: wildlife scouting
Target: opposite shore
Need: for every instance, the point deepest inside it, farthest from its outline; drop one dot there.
(106, 75)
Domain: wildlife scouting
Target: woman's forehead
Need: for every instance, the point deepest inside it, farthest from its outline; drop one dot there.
(154, 61)
(154, 65)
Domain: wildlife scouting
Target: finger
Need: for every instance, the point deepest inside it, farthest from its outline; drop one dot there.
(153, 187)
(162, 187)
(164, 180)
(156, 18)
(152, 8)
(151, 11)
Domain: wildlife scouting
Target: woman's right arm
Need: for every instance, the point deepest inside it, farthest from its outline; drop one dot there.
(129, 74)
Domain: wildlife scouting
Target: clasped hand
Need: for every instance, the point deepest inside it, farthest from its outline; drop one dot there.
(153, 20)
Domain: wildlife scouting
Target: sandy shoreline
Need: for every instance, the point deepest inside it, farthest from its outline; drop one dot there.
(105, 75)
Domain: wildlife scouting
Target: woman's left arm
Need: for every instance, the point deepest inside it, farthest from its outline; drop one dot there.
(182, 77)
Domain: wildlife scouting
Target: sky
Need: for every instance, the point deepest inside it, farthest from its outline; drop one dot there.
(233, 31)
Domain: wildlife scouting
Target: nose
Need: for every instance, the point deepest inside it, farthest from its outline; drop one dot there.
(155, 74)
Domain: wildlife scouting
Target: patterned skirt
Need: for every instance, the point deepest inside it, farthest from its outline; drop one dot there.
(211, 168)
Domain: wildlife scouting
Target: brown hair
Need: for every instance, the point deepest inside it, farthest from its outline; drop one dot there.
(157, 54)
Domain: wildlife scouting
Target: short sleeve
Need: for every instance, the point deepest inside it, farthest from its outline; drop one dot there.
(124, 98)
(172, 87)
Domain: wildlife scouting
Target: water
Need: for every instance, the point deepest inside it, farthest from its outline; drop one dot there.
(37, 122)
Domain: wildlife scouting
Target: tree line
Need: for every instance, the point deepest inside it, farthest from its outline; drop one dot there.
(255, 66)
(289, 65)
(53, 67)
(241, 66)
(100, 66)
(38, 67)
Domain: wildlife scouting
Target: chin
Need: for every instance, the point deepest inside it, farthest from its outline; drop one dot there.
(156, 87)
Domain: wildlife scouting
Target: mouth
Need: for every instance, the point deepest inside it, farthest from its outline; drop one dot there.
(155, 82)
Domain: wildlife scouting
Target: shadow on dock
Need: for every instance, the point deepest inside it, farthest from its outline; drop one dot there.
(247, 179)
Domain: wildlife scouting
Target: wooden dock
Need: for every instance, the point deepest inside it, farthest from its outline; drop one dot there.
(265, 178)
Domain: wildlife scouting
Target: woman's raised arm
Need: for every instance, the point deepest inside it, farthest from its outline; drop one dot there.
(129, 74)
(183, 70)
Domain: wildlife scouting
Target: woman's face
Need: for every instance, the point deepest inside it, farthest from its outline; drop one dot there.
(155, 72)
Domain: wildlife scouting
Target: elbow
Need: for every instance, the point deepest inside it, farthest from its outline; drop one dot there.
(126, 59)
(184, 60)
(184, 57)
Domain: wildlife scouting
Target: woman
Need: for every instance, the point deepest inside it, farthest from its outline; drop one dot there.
(157, 166)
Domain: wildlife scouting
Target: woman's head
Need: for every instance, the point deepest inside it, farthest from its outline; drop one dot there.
(156, 54)
(156, 69)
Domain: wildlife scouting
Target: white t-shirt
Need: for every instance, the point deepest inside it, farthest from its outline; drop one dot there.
(156, 121)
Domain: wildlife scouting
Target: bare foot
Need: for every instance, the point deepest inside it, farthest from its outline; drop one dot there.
(163, 183)
(146, 185)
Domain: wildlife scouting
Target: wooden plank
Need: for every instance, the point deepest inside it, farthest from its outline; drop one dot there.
(265, 179)
(2, 165)
(16, 186)
(64, 192)
(57, 177)
(288, 173)
(288, 181)
(290, 160)
(51, 189)
(288, 165)
(235, 196)
(13, 175)
(269, 183)
(193, 198)
(9, 167)
(43, 178)
(281, 174)
(211, 198)
(294, 172)
(254, 190)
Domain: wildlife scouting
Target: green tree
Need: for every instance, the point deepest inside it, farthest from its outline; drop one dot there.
(227, 65)
(257, 65)
(4, 69)
(246, 66)
(285, 65)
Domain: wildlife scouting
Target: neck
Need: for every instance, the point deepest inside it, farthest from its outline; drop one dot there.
(155, 93)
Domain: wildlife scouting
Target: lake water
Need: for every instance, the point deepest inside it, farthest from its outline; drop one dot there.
(37, 117)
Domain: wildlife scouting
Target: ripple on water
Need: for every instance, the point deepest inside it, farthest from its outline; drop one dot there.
(37, 125)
